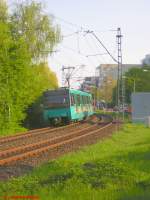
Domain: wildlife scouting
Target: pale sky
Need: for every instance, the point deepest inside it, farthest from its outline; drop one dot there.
(101, 16)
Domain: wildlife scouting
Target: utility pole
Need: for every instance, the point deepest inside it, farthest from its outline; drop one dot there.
(120, 96)
(66, 76)
(134, 85)
(120, 79)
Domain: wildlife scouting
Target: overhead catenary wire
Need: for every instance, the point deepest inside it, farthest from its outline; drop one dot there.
(77, 26)
(78, 50)
(92, 32)
(77, 53)
(71, 34)
(67, 22)
(79, 30)
(74, 51)
(100, 56)
(82, 28)
(91, 46)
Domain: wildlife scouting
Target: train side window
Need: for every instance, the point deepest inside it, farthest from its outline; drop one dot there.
(75, 99)
(88, 100)
(72, 100)
(83, 100)
(91, 100)
(78, 100)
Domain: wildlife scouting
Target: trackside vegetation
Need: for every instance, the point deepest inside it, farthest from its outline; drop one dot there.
(27, 37)
(117, 168)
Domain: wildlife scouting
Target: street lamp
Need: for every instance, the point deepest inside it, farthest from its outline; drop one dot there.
(134, 86)
(134, 80)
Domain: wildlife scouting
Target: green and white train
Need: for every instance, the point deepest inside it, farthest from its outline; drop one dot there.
(66, 105)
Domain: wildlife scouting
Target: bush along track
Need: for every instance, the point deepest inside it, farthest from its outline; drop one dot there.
(117, 168)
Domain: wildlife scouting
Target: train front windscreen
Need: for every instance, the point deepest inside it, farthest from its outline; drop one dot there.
(56, 99)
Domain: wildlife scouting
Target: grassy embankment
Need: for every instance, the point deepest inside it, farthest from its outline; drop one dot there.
(117, 168)
(116, 115)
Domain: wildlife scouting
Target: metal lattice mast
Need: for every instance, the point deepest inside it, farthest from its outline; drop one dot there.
(120, 80)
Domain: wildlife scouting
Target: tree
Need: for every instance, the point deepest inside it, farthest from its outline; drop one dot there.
(136, 80)
(3, 11)
(106, 89)
(15, 76)
(37, 28)
(43, 79)
(21, 81)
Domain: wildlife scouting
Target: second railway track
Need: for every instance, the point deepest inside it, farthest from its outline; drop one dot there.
(41, 134)
(15, 154)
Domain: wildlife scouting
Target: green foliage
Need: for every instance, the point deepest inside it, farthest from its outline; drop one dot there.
(22, 82)
(44, 76)
(37, 28)
(117, 168)
(3, 11)
(15, 77)
(44, 79)
(106, 89)
(136, 80)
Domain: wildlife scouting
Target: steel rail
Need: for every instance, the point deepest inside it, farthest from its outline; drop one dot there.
(34, 133)
(58, 144)
(28, 147)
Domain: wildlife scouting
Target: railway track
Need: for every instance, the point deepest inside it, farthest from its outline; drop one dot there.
(32, 133)
(76, 136)
(35, 133)
(46, 134)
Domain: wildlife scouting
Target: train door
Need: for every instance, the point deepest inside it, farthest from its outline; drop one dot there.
(73, 105)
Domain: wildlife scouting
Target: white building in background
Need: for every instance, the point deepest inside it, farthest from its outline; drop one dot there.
(106, 70)
(103, 72)
(89, 83)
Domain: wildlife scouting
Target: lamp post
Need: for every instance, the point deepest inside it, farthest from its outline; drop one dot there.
(133, 85)
(134, 80)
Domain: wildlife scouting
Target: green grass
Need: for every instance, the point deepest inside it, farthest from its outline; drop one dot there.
(116, 115)
(12, 131)
(115, 169)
